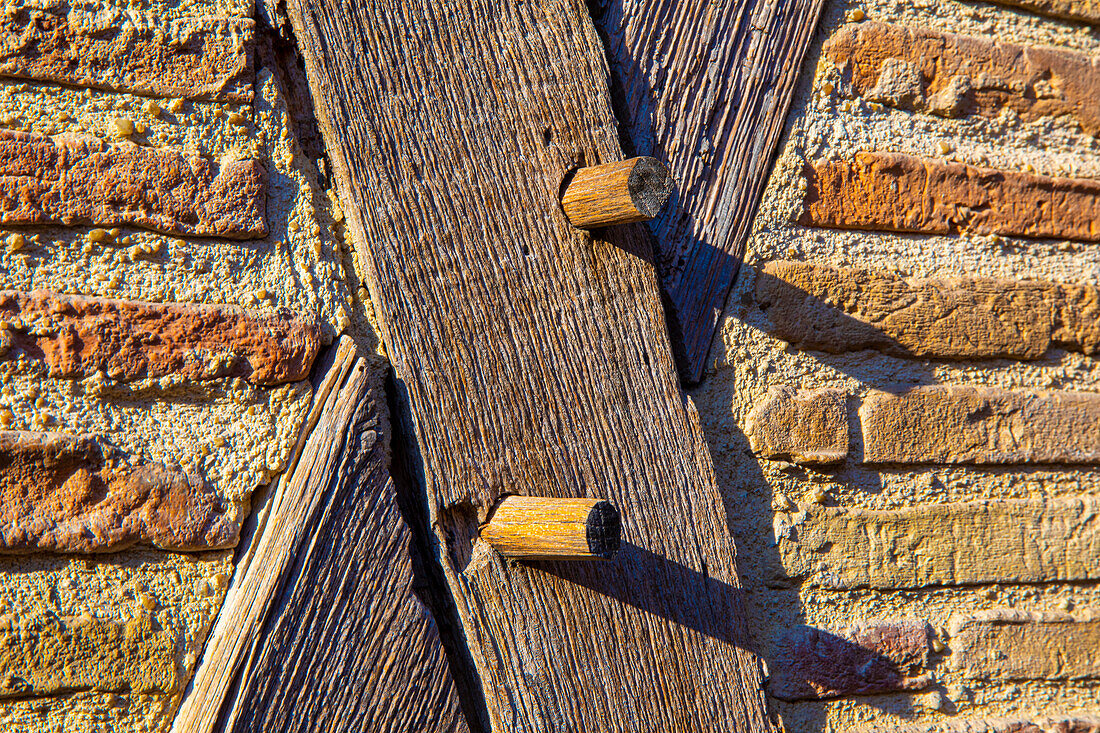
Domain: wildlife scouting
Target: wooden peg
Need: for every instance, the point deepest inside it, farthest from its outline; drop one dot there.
(616, 193)
(533, 527)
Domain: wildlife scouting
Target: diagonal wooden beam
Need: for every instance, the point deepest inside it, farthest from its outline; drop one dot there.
(321, 629)
(535, 358)
(705, 86)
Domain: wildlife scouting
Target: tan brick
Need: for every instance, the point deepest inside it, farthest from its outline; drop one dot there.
(1021, 645)
(969, 424)
(106, 48)
(841, 309)
(904, 193)
(60, 493)
(953, 75)
(1084, 10)
(1012, 541)
(1079, 723)
(815, 664)
(43, 654)
(77, 179)
(77, 336)
(808, 426)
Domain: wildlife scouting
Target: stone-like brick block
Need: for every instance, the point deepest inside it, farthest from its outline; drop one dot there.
(924, 70)
(78, 179)
(1021, 645)
(77, 336)
(104, 47)
(815, 664)
(60, 493)
(1079, 723)
(1084, 10)
(965, 543)
(809, 426)
(841, 309)
(968, 424)
(43, 654)
(905, 193)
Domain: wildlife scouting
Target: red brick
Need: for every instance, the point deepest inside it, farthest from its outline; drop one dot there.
(925, 70)
(60, 493)
(814, 664)
(206, 58)
(904, 193)
(77, 336)
(77, 179)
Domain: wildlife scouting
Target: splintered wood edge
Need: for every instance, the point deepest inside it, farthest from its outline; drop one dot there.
(532, 527)
(624, 192)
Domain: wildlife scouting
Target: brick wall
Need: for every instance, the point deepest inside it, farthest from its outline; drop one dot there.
(170, 266)
(903, 400)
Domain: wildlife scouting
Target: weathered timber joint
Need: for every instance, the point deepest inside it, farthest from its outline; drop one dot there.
(532, 527)
(616, 193)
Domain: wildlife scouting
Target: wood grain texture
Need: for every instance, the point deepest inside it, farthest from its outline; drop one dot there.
(320, 629)
(535, 358)
(705, 87)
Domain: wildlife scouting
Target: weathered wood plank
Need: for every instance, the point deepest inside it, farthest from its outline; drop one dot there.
(705, 86)
(535, 358)
(320, 629)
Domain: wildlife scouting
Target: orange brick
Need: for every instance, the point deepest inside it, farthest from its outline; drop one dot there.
(904, 193)
(77, 336)
(809, 426)
(943, 73)
(1019, 645)
(841, 309)
(60, 493)
(77, 179)
(206, 58)
(967, 424)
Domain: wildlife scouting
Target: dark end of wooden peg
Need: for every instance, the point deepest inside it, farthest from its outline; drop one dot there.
(650, 185)
(604, 529)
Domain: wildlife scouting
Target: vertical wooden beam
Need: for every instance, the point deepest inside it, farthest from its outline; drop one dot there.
(535, 358)
(320, 629)
(705, 85)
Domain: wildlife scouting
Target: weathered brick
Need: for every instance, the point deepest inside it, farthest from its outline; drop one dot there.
(43, 654)
(808, 426)
(1012, 541)
(1020, 645)
(815, 664)
(970, 424)
(1081, 723)
(1085, 10)
(904, 193)
(953, 75)
(60, 493)
(106, 48)
(78, 179)
(841, 309)
(77, 336)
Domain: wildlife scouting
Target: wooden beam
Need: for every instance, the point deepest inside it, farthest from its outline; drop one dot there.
(535, 358)
(705, 86)
(320, 629)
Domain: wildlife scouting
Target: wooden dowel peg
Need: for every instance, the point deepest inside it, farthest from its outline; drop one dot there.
(533, 527)
(616, 193)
